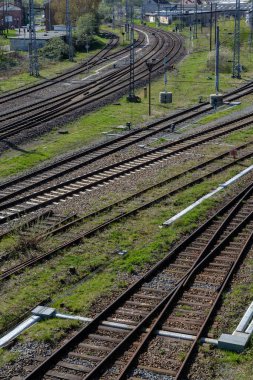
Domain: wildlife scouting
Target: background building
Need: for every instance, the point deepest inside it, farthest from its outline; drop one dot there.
(11, 16)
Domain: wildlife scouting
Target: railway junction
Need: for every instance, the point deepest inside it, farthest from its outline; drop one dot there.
(128, 256)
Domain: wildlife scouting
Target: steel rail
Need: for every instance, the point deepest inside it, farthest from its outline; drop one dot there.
(35, 260)
(168, 301)
(102, 54)
(105, 145)
(159, 184)
(78, 93)
(128, 198)
(53, 113)
(66, 95)
(199, 263)
(83, 86)
(213, 310)
(136, 164)
(57, 355)
(130, 142)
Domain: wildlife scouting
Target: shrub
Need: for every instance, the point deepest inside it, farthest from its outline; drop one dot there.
(224, 65)
(55, 49)
(8, 60)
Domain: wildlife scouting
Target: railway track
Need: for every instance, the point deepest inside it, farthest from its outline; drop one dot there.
(210, 167)
(94, 60)
(84, 157)
(179, 295)
(11, 207)
(166, 45)
(57, 106)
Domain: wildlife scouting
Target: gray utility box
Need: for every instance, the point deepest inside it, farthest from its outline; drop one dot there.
(165, 97)
(216, 100)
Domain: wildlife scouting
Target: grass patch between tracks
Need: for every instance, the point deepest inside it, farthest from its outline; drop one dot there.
(53, 277)
(7, 357)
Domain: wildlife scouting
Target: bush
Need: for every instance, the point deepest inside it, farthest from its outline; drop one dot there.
(225, 66)
(55, 49)
(7, 61)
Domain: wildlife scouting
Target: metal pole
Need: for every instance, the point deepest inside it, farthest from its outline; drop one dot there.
(215, 21)
(131, 96)
(181, 15)
(217, 60)
(113, 15)
(165, 73)
(33, 52)
(211, 26)
(69, 30)
(236, 71)
(195, 33)
(183, 21)
(201, 19)
(149, 93)
(7, 16)
(158, 13)
(4, 25)
(251, 27)
(127, 21)
(49, 14)
(150, 65)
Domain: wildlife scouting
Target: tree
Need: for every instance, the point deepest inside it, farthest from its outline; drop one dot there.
(77, 8)
(87, 25)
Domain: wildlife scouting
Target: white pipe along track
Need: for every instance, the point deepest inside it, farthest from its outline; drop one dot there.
(42, 312)
(209, 195)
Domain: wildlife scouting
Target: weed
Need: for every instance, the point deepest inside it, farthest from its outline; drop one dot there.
(186, 307)
(51, 330)
(7, 357)
(181, 356)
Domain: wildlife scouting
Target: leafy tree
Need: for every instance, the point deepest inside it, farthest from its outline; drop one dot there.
(77, 8)
(87, 25)
(55, 49)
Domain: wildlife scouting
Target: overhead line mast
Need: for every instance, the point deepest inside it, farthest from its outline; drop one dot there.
(236, 70)
(131, 95)
(69, 30)
(33, 51)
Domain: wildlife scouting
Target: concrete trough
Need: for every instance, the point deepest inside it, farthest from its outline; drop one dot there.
(235, 343)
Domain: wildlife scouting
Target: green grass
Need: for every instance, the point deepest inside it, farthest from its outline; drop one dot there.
(48, 68)
(51, 330)
(239, 136)
(7, 242)
(219, 114)
(7, 357)
(235, 366)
